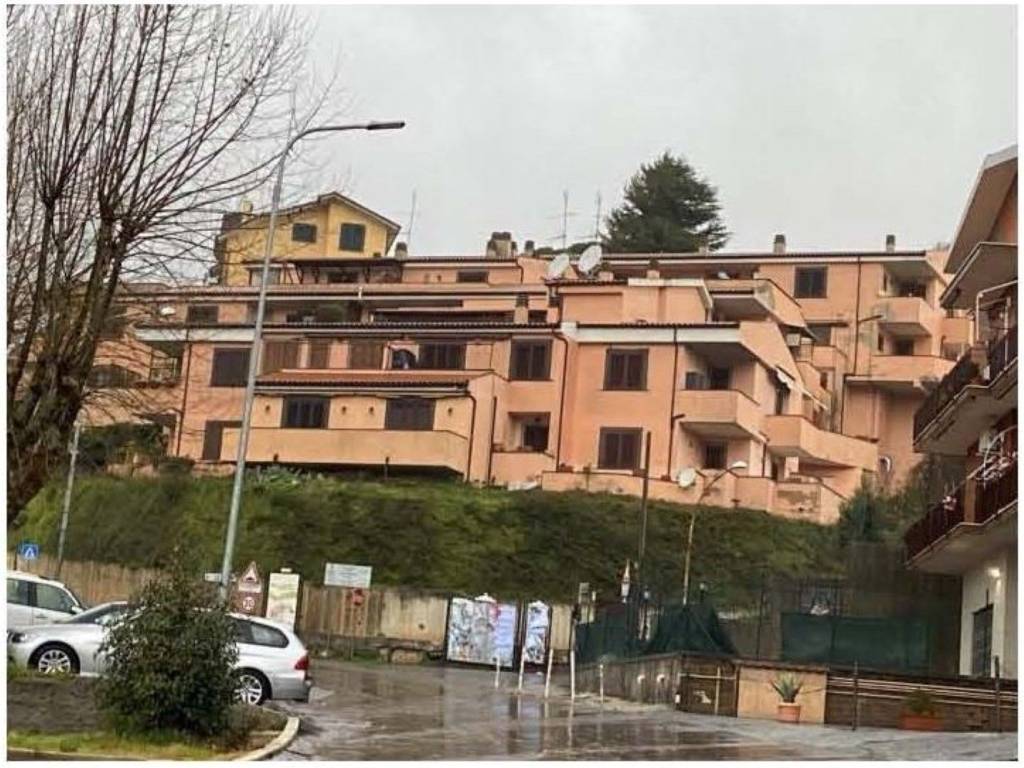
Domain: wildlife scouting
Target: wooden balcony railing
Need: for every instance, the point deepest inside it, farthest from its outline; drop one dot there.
(1002, 352)
(964, 372)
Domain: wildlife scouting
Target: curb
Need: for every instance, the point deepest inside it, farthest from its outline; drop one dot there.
(278, 744)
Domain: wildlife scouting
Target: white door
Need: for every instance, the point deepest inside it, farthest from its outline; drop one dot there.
(19, 610)
(52, 604)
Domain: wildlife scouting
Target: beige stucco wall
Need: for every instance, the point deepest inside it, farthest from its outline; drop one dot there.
(757, 699)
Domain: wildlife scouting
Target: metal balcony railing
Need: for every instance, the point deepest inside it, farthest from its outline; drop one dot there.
(963, 373)
(936, 523)
(1002, 352)
(996, 489)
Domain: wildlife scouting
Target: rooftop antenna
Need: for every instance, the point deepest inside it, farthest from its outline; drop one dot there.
(566, 214)
(597, 219)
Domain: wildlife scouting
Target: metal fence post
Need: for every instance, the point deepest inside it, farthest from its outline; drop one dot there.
(856, 695)
(718, 686)
(999, 711)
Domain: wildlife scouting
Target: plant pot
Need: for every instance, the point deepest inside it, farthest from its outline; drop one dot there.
(911, 722)
(788, 712)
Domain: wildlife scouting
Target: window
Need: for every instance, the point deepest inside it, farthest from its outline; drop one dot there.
(981, 643)
(718, 378)
(811, 283)
(111, 377)
(402, 360)
(51, 598)
(213, 436)
(531, 360)
(352, 237)
(410, 413)
(535, 436)
(903, 347)
(472, 276)
(695, 380)
(261, 634)
(17, 591)
(305, 412)
(230, 368)
(366, 354)
(202, 313)
(319, 354)
(625, 369)
(821, 332)
(442, 356)
(917, 290)
(714, 456)
(881, 343)
(273, 276)
(304, 233)
(619, 449)
(279, 354)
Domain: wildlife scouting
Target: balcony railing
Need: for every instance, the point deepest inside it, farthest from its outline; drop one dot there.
(1002, 352)
(964, 372)
(995, 487)
(936, 523)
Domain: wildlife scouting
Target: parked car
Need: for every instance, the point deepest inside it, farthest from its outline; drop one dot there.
(272, 661)
(33, 599)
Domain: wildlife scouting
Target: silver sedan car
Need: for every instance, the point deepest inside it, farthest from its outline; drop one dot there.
(272, 661)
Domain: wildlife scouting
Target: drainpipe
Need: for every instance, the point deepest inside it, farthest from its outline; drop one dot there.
(472, 431)
(490, 441)
(672, 406)
(561, 399)
(184, 394)
(856, 350)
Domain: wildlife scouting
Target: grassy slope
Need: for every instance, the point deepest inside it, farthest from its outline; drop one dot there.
(433, 534)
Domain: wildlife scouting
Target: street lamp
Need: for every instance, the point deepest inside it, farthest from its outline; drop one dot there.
(693, 519)
(254, 355)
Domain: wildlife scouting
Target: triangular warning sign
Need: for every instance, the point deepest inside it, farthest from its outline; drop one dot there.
(251, 575)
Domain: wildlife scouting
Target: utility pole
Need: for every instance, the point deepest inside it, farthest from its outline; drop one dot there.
(412, 218)
(67, 498)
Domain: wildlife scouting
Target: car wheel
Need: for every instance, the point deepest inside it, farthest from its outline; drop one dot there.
(55, 659)
(253, 687)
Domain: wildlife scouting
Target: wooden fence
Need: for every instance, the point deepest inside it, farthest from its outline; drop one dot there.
(381, 615)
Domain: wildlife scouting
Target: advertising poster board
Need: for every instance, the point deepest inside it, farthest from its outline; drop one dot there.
(480, 630)
(347, 575)
(283, 598)
(538, 628)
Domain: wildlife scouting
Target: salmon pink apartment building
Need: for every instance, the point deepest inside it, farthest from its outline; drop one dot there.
(774, 380)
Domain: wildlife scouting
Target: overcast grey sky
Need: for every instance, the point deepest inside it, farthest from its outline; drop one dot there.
(834, 125)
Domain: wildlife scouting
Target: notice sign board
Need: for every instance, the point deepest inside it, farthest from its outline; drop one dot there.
(480, 631)
(345, 575)
(538, 628)
(283, 597)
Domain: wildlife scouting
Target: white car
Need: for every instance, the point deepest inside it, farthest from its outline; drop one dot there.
(33, 599)
(272, 661)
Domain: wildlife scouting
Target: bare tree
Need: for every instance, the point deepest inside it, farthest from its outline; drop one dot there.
(130, 130)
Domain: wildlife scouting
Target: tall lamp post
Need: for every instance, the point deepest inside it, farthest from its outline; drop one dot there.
(254, 355)
(693, 519)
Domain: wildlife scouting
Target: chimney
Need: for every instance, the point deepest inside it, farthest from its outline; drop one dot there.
(401, 250)
(245, 206)
(528, 248)
(890, 243)
(501, 243)
(492, 249)
(779, 246)
(521, 314)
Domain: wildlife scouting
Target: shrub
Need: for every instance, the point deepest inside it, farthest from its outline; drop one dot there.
(919, 702)
(171, 664)
(788, 687)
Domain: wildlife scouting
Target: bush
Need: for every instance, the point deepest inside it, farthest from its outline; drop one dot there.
(171, 665)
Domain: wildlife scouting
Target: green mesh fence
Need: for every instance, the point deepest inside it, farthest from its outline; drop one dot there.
(890, 644)
(692, 628)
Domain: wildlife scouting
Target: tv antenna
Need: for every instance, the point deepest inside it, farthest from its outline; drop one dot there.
(558, 266)
(589, 260)
(412, 218)
(597, 219)
(566, 214)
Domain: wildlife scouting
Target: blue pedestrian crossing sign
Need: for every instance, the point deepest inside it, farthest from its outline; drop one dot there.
(28, 550)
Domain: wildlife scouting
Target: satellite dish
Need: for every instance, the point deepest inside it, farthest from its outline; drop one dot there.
(167, 311)
(687, 477)
(723, 275)
(558, 266)
(590, 259)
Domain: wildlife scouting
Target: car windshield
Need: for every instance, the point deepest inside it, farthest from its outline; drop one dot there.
(101, 614)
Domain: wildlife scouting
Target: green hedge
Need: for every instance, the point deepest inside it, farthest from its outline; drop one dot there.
(431, 534)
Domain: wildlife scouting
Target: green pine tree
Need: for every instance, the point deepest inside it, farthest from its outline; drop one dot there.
(668, 208)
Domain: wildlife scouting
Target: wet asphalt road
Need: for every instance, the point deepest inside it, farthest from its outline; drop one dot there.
(379, 712)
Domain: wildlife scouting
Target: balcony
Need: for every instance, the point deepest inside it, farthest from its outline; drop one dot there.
(908, 316)
(718, 413)
(975, 520)
(791, 435)
(903, 373)
(353, 447)
(979, 389)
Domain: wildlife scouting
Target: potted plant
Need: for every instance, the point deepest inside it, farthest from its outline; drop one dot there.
(788, 687)
(919, 712)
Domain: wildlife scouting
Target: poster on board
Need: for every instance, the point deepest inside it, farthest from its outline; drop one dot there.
(283, 597)
(481, 630)
(538, 628)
